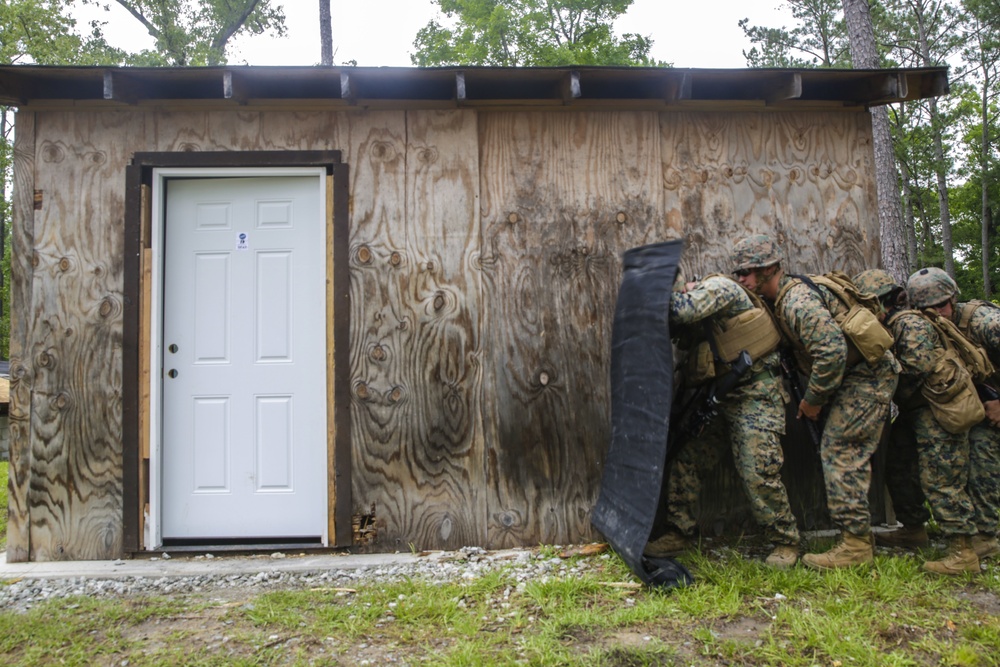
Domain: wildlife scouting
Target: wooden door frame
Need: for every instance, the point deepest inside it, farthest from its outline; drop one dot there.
(136, 358)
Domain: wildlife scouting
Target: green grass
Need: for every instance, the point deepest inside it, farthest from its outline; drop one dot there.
(738, 612)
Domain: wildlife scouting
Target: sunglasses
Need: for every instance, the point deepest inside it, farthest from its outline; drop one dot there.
(742, 273)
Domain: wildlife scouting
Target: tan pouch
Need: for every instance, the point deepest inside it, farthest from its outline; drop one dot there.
(952, 395)
(867, 333)
(752, 330)
(699, 367)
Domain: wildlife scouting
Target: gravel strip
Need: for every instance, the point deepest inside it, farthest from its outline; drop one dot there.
(465, 565)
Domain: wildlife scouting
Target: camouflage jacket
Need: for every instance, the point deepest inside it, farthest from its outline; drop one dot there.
(821, 349)
(983, 330)
(714, 297)
(917, 348)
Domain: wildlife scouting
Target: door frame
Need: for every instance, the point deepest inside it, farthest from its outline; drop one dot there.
(142, 330)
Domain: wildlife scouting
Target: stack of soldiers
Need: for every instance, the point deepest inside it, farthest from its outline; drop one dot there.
(831, 337)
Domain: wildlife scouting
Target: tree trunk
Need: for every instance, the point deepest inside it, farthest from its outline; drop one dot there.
(984, 156)
(325, 33)
(864, 55)
(910, 222)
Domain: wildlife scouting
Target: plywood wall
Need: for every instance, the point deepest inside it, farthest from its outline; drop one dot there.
(484, 259)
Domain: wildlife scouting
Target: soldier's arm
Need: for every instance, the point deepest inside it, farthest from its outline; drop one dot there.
(704, 300)
(807, 316)
(917, 348)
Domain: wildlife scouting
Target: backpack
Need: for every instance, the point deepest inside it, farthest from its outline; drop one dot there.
(973, 357)
(860, 323)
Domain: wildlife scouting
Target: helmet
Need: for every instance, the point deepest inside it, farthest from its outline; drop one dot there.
(929, 287)
(755, 252)
(876, 281)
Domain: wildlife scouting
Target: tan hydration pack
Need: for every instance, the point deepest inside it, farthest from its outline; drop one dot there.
(950, 389)
(865, 335)
(752, 330)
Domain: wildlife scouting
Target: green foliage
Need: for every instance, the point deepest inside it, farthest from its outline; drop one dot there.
(197, 32)
(511, 33)
(817, 39)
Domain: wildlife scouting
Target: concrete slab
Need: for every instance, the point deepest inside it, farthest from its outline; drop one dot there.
(192, 565)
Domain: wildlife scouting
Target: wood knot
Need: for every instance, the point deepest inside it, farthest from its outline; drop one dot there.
(65, 264)
(395, 394)
(37, 200)
(361, 390)
(68, 333)
(427, 155)
(439, 301)
(35, 260)
(513, 218)
(53, 153)
(508, 519)
(107, 307)
(62, 400)
(365, 255)
(97, 157)
(395, 258)
(98, 271)
(46, 360)
(621, 218)
(189, 147)
(382, 151)
(378, 353)
(543, 378)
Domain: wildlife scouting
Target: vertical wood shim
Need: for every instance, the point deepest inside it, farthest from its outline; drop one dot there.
(562, 197)
(800, 176)
(76, 340)
(22, 243)
(331, 440)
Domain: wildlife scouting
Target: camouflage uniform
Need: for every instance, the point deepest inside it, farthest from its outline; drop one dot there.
(984, 439)
(924, 460)
(753, 417)
(857, 398)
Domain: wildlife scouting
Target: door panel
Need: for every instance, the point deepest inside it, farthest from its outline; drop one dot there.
(244, 385)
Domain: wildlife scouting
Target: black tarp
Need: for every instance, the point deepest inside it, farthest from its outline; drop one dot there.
(642, 371)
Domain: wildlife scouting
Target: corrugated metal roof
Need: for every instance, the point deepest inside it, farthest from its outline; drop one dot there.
(467, 86)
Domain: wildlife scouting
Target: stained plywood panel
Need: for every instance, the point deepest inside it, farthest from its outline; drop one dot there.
(22, 244)
(563, 195)
(805, 178)
(76, 339)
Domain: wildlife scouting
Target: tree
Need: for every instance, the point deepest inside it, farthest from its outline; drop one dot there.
(818, 39)
(325, 33)
(509, 33)
(197, 32)
(864, 55)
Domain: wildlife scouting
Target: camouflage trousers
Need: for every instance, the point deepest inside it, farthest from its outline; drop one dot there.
(925, 462)
(851, 434)
(984, 476)
(751, 421)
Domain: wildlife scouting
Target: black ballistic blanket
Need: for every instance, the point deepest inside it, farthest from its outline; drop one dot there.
(642, 371)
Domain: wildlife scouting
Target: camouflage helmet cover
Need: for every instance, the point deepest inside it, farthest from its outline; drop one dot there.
(876, 281)
(756, 252)
(929, 287)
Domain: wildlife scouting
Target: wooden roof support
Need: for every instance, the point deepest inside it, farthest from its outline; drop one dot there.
(346, 91)
(570, 86)
(786, 87)
(678, 88)
(460, 94)
(117, 87)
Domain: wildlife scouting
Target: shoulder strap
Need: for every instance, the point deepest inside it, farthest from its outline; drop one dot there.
(967, 310)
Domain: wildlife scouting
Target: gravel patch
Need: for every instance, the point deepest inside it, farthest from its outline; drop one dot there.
(440, 567)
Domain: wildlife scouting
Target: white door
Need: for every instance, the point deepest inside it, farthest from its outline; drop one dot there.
(244, 349)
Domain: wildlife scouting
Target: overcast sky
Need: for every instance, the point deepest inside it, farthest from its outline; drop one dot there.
(687, 33)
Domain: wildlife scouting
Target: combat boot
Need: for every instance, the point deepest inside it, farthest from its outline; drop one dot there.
(907, 537)
(851, 550)
(959, 558)
(985, 546)
(669, 544)
(783, 557)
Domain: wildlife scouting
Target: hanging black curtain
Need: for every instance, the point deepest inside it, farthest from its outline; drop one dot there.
(642, 372)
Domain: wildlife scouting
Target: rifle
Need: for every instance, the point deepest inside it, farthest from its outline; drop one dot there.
(987, 393)
(791, 373)
(704, 406)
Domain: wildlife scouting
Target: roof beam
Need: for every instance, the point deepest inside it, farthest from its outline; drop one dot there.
(786, 87)
(460, 94)
(678, 88)
(347, 91)
(570, 87)
(118, 88)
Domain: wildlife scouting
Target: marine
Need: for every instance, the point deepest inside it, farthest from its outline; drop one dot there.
(719, 318)
(854, 393)
(925, 460)
(979, 321)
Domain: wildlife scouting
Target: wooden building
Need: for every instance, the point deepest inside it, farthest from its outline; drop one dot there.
(372, 307)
